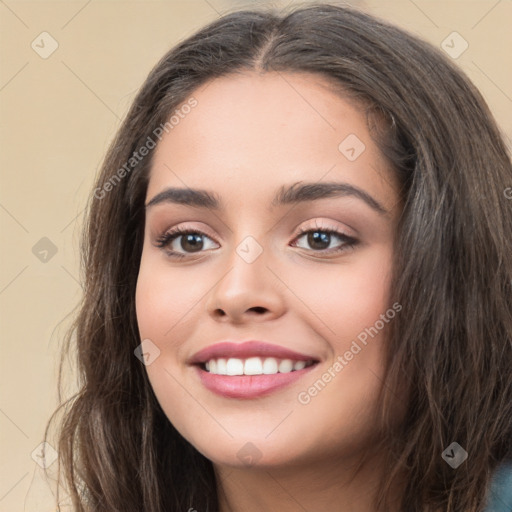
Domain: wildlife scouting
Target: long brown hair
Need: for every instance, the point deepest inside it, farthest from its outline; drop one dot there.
(451, 346)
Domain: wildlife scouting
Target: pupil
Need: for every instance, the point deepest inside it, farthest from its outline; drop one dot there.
(318, 237)
(192, 239)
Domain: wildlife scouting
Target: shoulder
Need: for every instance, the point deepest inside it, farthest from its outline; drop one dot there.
(500, 491)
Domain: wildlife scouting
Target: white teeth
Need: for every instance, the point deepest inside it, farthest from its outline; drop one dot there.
(222, 367)
(299, 365)
(270, 366)
(235, 367)
(254, 366)
(285, 366)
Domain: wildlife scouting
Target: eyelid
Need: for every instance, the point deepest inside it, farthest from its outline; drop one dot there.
(187, 226)
(325, 224)
(319, 223)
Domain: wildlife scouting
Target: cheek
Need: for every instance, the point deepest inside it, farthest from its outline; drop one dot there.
(162, 299)
(165, 296)
(346, 299)
(350, 306)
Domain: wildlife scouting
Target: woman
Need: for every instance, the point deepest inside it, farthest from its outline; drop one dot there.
(297, 281)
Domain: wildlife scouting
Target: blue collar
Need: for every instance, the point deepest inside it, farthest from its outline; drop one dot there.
(500, 491)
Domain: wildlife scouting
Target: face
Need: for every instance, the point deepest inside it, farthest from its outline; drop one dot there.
(305, 275)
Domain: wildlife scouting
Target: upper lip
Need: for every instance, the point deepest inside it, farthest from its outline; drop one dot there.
(244, 350)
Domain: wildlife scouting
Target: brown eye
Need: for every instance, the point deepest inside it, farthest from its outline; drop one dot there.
(320, 239)
(190, 241)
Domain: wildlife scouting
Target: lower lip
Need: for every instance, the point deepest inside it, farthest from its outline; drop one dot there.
(249, 386)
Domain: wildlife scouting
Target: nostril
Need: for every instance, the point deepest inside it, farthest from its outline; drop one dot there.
(259, 309)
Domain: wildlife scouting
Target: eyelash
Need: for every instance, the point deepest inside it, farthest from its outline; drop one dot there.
(169, 236)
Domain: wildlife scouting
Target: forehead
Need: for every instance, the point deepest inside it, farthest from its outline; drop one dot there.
(250, 133)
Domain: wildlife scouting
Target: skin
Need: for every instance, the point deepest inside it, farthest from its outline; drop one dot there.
(249, 135)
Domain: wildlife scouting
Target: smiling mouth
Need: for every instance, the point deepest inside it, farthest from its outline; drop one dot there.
(246, 378)
(254, 366)
(249, 369)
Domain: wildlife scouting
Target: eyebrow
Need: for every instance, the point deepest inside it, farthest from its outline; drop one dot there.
(287, 195)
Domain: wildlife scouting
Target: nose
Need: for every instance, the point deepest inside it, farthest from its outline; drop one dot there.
(247, 292)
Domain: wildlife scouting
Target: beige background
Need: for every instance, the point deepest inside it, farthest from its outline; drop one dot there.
(59, 114)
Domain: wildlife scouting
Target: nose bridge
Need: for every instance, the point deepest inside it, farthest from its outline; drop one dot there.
(246, 265)
(250, 243)
(247, 283)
